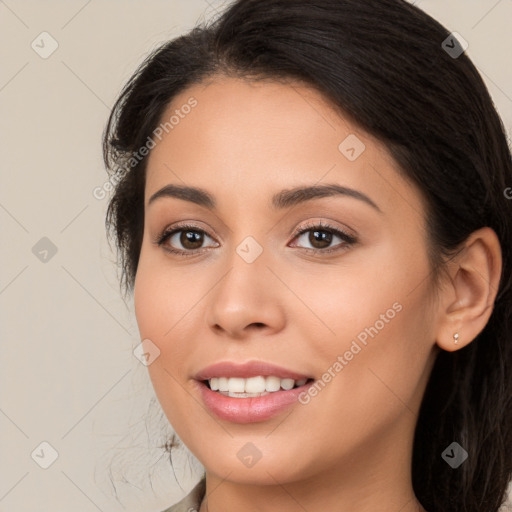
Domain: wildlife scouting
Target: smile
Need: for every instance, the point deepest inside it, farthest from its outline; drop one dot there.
(238, 387)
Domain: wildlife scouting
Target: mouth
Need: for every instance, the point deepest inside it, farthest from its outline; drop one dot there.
(249, 392)
(241, 404)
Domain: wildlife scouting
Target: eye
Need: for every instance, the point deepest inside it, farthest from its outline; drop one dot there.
(187, 240)
(320, 236)
(184, 239)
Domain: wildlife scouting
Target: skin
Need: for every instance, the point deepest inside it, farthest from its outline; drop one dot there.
(349, 447)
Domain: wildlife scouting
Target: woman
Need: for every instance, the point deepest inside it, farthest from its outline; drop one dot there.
(311, 210)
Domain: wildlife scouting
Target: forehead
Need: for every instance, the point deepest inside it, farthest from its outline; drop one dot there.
(235, 119)
(245, 136)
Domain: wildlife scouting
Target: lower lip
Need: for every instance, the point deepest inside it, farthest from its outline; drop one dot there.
(249, 410)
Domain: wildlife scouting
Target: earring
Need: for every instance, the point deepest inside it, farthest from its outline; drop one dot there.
(456, 338)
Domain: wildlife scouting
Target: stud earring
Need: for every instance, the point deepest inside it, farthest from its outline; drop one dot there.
(456, 338)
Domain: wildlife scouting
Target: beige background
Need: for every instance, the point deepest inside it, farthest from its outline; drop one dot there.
(67, 373)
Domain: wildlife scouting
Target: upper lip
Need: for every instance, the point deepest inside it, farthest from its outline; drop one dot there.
(248, 369)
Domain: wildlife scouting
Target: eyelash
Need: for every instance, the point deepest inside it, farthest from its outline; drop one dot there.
(348, 240)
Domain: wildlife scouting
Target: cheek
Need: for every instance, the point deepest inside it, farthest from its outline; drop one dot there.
(162, 298)
(358, 298)
(168, 313)
(380, 332)
(158, 313)
(157, 310)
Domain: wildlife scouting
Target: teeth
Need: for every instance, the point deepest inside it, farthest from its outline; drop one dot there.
(236, 385)
(223, 384)
(287, 384)
(272, 384)
(252, 386)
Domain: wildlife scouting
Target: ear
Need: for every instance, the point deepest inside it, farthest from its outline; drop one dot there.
(467, 299)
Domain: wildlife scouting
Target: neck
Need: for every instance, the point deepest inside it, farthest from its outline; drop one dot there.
(289, 497)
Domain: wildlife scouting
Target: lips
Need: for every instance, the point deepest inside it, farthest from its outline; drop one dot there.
(249, 369)
(249, 407)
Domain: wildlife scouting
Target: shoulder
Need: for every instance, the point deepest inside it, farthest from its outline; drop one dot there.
(192, 501)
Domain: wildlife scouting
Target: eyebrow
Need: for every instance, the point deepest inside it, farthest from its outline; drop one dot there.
(283, 199)
(192, 194)
(294, 196)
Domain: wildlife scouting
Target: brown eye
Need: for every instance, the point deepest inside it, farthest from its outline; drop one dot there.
(183, 240)
(191, 239)
(320, 239)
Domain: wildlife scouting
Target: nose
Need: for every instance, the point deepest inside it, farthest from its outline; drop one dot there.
(246, 300)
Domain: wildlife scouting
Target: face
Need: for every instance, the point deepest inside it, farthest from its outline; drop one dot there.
(331, 284)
